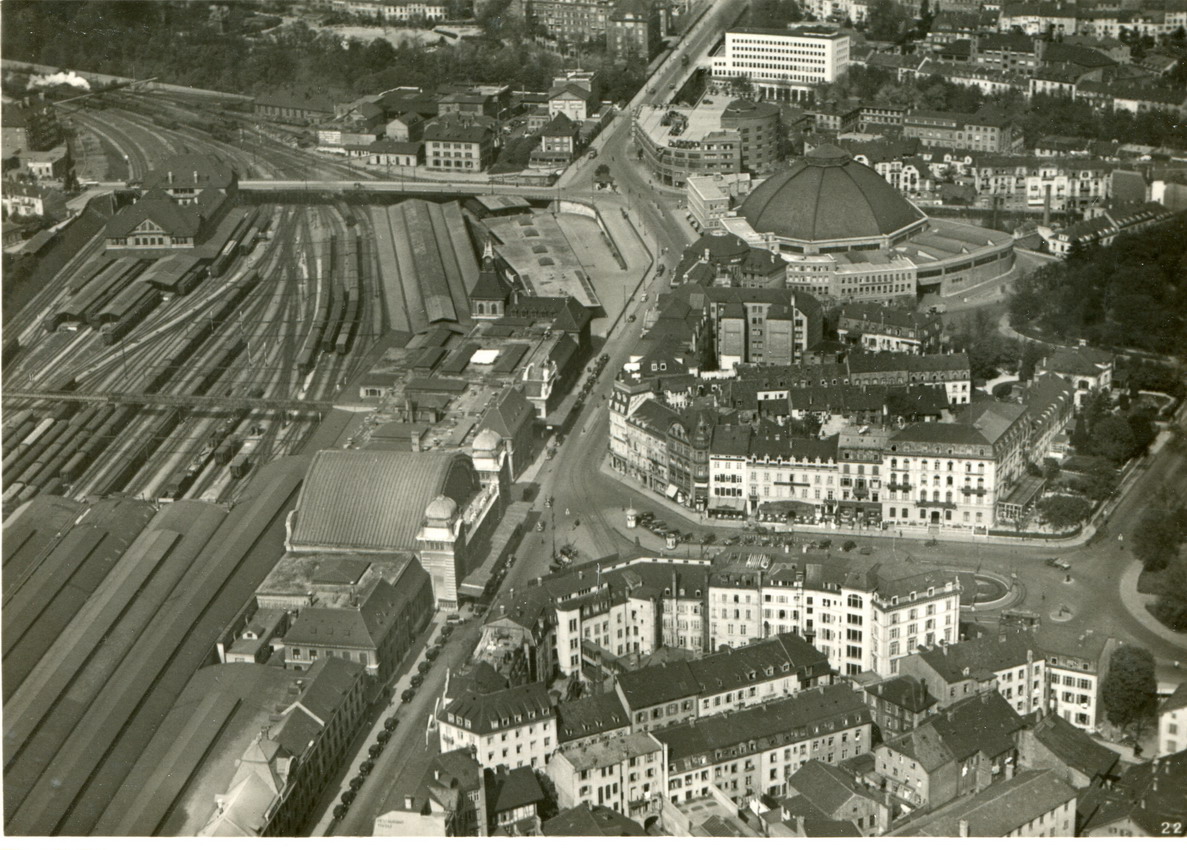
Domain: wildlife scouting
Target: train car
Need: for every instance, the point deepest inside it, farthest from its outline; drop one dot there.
(224, 258)
(250, 238)
(241, 464)
(226, 449)
(349, 322)
(177, 485)
(333, 326)
(73, 467)
(113, 332)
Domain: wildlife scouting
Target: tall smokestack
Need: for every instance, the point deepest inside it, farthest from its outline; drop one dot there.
(1047, 206)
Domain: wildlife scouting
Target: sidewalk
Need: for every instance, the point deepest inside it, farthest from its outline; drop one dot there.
(385, 710)
(1135, 602)
(906, 532)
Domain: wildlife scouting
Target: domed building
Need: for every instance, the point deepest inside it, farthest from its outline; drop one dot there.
(848, 235)
(827, 201)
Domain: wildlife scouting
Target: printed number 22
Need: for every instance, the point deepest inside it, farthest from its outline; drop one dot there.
(1172, 828)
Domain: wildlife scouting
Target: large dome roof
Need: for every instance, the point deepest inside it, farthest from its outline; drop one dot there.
(827, 196)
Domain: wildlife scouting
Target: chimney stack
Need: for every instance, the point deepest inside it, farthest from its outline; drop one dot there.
(962, 828)
(799, 824)
(1047, 206)
(410, 802)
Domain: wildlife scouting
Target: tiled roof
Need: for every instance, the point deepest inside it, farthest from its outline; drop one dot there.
(487, 713)
(906, 692)
(801, 716)
(611, 751)
(1077, 361)
(370, 501)
(592, 821)
(828, 787)
(590, 715)
(513, 789)
(1177, 700)
(941, 432)
(658, 685)
(180, 171)
(982, 657)
(982, 723)
(997, 810)
(991, 417)
(362, 628)
(1075, 747)
(173, 218)
(508, 414)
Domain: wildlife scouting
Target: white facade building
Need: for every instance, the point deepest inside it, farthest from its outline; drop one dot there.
(783, 64)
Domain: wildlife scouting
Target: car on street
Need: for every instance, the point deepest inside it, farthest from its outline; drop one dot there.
(631, 317)
(417, 680)
(408, 694)
(432, 653)
(1060, 563)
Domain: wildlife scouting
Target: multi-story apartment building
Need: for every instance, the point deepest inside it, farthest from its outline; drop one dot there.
(1009, 663)
(982, 131)
(634, 29)
(1031, 804)
(725, 681)
(961, 750)
(784, 64)
(954, 474)
(628, 774)
(1172, 722)
(754, 751)
(715, 137)
(285, 769)
(1104, 228)
(877, 328)
(572, 21)
(459, 143)
(772, 327)
(514, 727)
(899, 704)
(1076, 664)
(1036, 182)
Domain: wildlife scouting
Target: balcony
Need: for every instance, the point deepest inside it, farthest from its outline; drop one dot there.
(933, 504)
(974, 491)
(896, 485)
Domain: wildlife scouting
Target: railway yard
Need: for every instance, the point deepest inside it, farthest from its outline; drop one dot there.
(123, 135)
(282, 313)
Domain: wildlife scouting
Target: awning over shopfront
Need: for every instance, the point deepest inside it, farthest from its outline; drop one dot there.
(671, 491)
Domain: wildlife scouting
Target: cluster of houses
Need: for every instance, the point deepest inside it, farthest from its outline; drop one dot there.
(459, 128)
(761, 734)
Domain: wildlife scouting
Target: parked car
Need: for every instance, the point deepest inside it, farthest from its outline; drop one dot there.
(408, 694)
(1060, 563)
(432, 653)
(417, 680)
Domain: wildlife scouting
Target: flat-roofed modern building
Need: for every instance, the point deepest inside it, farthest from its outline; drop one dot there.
(784, 64)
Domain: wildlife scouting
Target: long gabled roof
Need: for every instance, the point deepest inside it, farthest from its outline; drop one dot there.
(997, 810)
(801, 716)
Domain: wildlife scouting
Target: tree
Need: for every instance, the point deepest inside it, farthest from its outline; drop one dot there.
(887, 21)
(1113, 438)
(1097, 479)
(1159, 534)
(1050, 469)
(1064, 511)
(602, 173)
(1171, 606)
(1130, 691)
